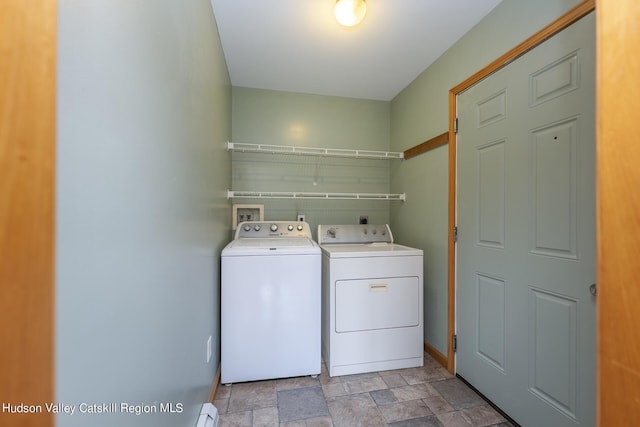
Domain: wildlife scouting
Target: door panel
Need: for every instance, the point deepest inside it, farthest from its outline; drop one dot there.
(553, 335)
(526, 243)
(491, 201)
(554, 80)
(491, 318)
(554, 189)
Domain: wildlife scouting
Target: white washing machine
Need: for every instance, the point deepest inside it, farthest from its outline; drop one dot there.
(372, 300)
(270, 303)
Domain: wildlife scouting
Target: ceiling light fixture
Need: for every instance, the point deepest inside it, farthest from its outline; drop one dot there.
(350, 12)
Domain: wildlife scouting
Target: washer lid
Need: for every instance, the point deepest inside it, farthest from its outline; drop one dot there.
(271, 246)
(367, 250)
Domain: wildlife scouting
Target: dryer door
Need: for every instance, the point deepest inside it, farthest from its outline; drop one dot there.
(370, 304)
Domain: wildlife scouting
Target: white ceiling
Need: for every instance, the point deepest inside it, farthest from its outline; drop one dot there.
(297, 45)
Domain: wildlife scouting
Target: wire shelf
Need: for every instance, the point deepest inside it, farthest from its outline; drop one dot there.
(306, 195)
(312, 151)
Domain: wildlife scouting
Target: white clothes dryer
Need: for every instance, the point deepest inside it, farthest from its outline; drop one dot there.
(372, 300)
(270, 303)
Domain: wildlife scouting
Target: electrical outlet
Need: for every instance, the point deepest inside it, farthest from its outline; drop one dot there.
(301, 217)
(209, 349)
(363, 219)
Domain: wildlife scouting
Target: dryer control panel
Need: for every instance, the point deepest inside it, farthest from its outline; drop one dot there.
(354, 233)
(273, 229)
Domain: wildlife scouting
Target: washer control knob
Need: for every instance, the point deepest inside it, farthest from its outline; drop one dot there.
(247, 227)
(300, 227)
(274, 227)
(256, 227)
(290, 227)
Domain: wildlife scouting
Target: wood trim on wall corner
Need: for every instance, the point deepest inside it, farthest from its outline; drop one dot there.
(548, 31)
(435, 353)
(215, 386)
(435, 142)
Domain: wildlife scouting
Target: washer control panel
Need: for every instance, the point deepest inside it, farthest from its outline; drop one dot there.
(263, 229)
(354, 233)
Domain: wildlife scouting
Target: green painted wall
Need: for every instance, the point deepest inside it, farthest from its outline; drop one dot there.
(420, 112)
(143, 110)
(294, 119)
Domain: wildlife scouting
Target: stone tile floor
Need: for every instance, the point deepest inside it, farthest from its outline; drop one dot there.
(426, 396)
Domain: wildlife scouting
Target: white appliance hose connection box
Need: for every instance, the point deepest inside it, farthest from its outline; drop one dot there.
(242, 213)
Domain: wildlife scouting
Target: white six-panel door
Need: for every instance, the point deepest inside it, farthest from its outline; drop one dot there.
(526, 242)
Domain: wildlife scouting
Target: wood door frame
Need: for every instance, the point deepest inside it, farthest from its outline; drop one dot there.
(618, 210)
(27, 207)
(555, 27)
